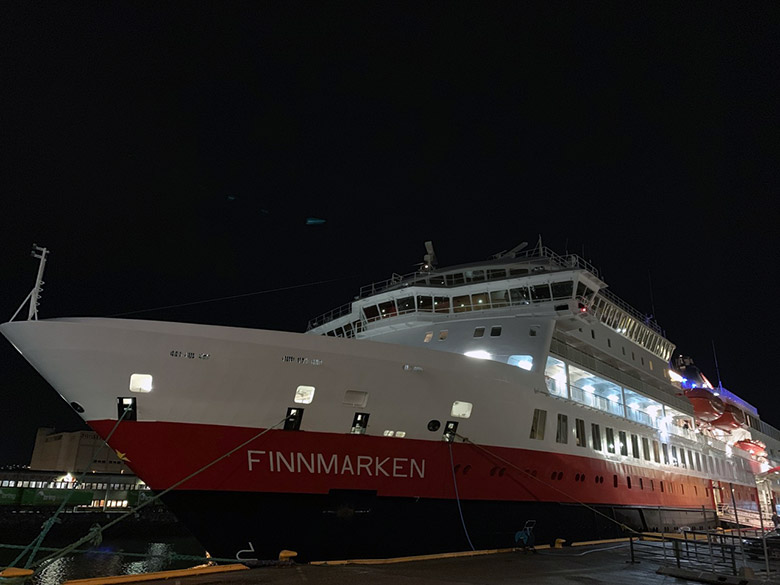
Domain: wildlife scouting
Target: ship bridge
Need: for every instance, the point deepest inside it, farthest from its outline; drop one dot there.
(536, 282)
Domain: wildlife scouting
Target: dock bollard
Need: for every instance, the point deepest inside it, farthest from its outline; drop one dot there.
(559, 542)
(287, 555)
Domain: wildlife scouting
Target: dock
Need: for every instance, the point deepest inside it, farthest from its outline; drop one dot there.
(606, 562)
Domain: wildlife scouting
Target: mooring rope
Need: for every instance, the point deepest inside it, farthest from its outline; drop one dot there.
(457, 498)
(53, 519)
(557, 489)
(97, 531)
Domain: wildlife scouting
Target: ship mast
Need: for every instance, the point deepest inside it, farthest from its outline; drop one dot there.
(35, 294)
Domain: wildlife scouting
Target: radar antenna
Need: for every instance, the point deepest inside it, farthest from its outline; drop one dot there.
(35, 294)
(429, 260)
(511, 253)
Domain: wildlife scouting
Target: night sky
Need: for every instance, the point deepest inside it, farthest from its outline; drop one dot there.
(172, 154)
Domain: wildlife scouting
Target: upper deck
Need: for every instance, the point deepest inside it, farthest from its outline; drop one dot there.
(515, 281)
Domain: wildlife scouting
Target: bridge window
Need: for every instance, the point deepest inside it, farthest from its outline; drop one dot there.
(479, 332)
(519, 296)
(475, 275)
(499, 298)
(480, 301)
(441, 304)
(371, 312)
(388, 309)
(461, 304)
(455, 279)
(425, 304)
(540, 293)
(562, 290)
(405, 305)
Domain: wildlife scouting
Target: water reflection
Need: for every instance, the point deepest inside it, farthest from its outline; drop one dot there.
(125, 557)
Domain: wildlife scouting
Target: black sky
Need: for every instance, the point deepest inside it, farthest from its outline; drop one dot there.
(169, 154)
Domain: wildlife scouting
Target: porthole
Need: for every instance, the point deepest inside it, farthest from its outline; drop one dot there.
(77, 407)
(434, 425)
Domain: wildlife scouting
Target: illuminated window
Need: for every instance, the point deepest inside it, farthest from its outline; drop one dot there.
(443, 334)
(526, 362)
(461, 409)
(428, 336)
(665, 449)
(140, 383)
(610, 439)
(623, 443)
(304, 394)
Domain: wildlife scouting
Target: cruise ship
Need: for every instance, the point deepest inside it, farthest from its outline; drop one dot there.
(444, 410)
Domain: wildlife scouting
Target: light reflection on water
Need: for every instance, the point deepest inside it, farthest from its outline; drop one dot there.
(111, 559)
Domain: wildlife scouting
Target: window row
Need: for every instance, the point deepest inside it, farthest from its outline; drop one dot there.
(620, 321)
(629, 444)
(520, 295)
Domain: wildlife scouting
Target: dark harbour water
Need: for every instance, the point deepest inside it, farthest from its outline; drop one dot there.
(119, 555)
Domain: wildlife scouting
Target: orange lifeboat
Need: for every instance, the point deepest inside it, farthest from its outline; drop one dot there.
(706, 406)
(733, 418)
(752, 446)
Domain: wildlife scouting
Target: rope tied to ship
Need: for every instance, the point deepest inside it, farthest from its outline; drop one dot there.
(35, 545)
(96, 531)
(468, 441)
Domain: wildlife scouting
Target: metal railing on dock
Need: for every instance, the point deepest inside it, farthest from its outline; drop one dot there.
(718, 552)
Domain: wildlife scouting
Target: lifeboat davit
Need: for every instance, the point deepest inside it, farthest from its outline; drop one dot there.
(733, 418)
(706, 406)
(752, 446)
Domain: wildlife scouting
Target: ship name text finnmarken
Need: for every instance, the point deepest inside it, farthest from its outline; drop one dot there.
(334, 464)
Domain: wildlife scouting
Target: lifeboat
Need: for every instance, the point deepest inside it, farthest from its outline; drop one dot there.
(733, 418)
(752, 446)
(706, 406)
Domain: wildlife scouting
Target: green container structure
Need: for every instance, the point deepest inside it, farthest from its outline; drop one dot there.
(55, 497)
(10, 496)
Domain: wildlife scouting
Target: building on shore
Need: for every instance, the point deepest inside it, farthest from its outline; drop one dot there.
(75, 452)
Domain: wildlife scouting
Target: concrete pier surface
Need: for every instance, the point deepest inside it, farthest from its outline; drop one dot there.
(602, 563)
